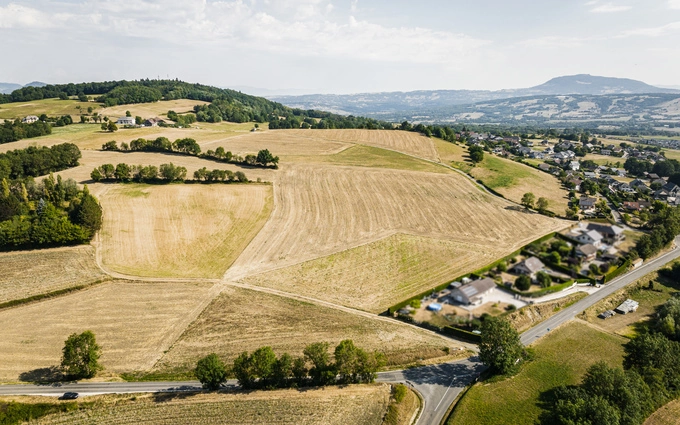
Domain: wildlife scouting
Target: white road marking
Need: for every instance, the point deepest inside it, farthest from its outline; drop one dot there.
(447, 390)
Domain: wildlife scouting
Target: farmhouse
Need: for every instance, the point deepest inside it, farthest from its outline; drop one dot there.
(529, 267)
(575, 165)
(30, 119)
(473, 292)
(153, 122)
(125, 121)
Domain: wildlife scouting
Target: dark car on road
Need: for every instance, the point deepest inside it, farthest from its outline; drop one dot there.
(69, 396)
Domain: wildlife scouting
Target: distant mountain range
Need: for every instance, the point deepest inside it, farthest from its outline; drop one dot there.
(7, 88)
(389, 103)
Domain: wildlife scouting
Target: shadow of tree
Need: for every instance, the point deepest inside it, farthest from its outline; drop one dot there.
(43, 375)
(164, 397)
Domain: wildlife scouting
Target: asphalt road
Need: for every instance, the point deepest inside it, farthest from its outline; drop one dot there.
(439, 385)
(569, 313)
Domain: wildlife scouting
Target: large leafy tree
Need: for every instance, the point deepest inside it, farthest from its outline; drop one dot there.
(211, 372)
(81, 356)
(500, 348)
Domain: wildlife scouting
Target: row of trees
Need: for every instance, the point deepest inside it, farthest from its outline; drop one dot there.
(34, 161)
(529, 201)
(150, 173)
(51, 213)
(189, 146)
(637, 167)
(263, 369)
(650, 377)
(11, 131)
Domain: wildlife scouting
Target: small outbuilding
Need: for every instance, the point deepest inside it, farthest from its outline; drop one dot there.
(627, 306)
(125, 121)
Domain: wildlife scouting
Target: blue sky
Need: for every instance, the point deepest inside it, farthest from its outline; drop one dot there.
(341, 46)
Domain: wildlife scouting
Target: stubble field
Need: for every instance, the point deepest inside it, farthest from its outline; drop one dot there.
(180, 230)
(152, 110)
(356, 404)
(134, 323)
(241, 319)
(29, 273)
(391, 270)
(321, 211)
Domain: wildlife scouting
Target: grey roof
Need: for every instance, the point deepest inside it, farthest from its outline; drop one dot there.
(533, 264)
(604, 229)
(594, 235)
(477, 287)
(588, 249)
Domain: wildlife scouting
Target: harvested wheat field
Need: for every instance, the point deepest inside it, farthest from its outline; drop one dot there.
(51, 107)
(242, 319)
(391, 270)
(152, 110)
(324, 210)
(283, 143)
(90, 136)
(92, 159)
(180, 230)
(134, 323)
(355, 404)
(368, 156)
(29, 273)
(407, 142)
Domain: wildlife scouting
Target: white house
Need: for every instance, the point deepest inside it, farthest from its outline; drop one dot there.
(30, 119)
(125, 121)
(529, 267)
(592, 237)
(473, 292)
(575, 165)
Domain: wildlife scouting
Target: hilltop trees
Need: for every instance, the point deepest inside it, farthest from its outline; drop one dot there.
(476, 154)
(80, 357)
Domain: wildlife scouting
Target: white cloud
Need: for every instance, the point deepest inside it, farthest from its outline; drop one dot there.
(610, 8)
(18, 16)
(674, 4)
(653, 31)
(553, 41)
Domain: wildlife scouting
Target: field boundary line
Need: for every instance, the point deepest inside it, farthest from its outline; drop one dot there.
(349, 310)
(53, 294)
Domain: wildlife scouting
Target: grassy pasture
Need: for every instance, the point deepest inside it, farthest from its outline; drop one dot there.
(152, 110)
(365, 404)
(134, 323)
(51, 107)
(180, 230)
(241, 319)
(510, 179)
(29, 273)
(562, 358)
(392, 269)
(649, 299)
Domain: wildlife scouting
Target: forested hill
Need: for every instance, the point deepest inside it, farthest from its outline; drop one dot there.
(225, 104)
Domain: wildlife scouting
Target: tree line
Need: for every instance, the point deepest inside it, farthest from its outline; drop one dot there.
(34, 161)
(189, 146)
(166, 173)
(50, 213)
(663, 227)
(12, 131)
(650, 377)
(262, 369)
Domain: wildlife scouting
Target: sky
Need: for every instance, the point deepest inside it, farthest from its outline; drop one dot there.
(333, 46)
